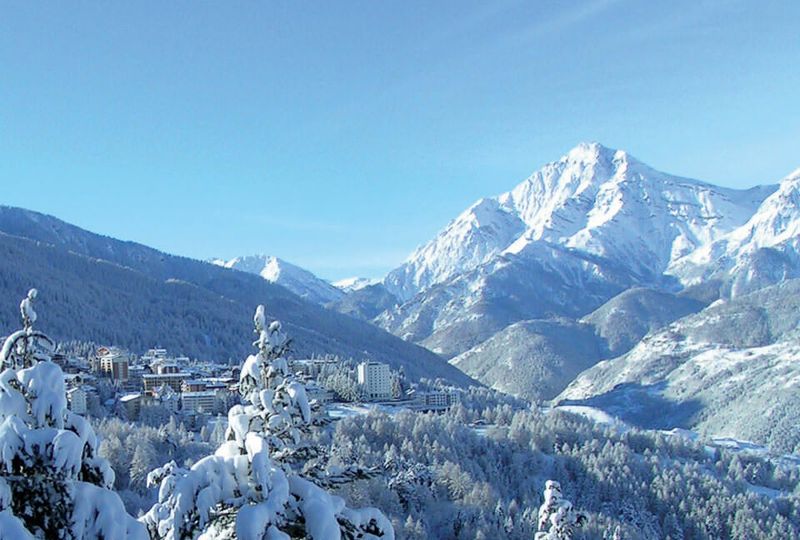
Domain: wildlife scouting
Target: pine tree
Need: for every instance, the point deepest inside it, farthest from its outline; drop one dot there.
(218, 433)
(53, 484)
(557, 518)
(265, 480)
(144, 458)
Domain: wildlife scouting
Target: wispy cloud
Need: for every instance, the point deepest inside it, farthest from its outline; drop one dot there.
(465, 26)
(677, 21)
(572, 15)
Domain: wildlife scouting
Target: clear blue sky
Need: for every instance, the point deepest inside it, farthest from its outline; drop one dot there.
(340, 135)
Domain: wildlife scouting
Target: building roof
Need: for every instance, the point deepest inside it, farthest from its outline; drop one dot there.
(199, 394)
(163, 375)
(373, 363)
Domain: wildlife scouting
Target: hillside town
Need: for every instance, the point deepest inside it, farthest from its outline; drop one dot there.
(157, 385)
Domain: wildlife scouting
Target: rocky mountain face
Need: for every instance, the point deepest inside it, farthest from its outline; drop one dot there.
(763, 251)
(574, 234)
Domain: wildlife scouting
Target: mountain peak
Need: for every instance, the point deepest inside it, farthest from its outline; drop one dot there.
(792, 177)
(587, 152)
(596, 200)
(273, 267)
(355, 283)
(298, 280)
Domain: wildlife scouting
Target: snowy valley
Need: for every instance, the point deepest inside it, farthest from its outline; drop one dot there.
(627, 333)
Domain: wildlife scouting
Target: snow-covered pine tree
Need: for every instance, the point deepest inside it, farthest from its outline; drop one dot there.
(557, 518)
(265, 481)
(218, 434)
(53, 484)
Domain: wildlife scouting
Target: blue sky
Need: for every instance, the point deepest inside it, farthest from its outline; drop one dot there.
(341, 135)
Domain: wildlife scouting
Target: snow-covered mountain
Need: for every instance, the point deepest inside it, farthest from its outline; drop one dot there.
(354, 283)
(484, 230)
(596, 200)
(762, 252)
(574, 234)
(731, 370)
(298, 280)
(453, 316)
(365, 303)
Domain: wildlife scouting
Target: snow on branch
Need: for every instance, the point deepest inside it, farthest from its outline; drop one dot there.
(52, 482)
(557, 518)
(263, 482)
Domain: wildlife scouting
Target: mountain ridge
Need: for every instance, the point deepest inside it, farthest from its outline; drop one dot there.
(275, 270)
(115, 292)
(572, 235)
(567, 202)
(763, 251)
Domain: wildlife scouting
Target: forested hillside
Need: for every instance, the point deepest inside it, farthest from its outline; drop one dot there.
(121, 293)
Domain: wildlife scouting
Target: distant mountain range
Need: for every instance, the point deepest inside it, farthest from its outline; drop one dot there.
(362, 298)
(598, 280)
(355, 283)
(96, 288)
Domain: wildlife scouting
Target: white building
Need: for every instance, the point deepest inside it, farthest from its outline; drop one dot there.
(77, 400)
(115, 364)
(434, 400)
(152, 381)
(199, 402)
(375, 381)
(164, 371)
(167, 397)
(133, 404)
